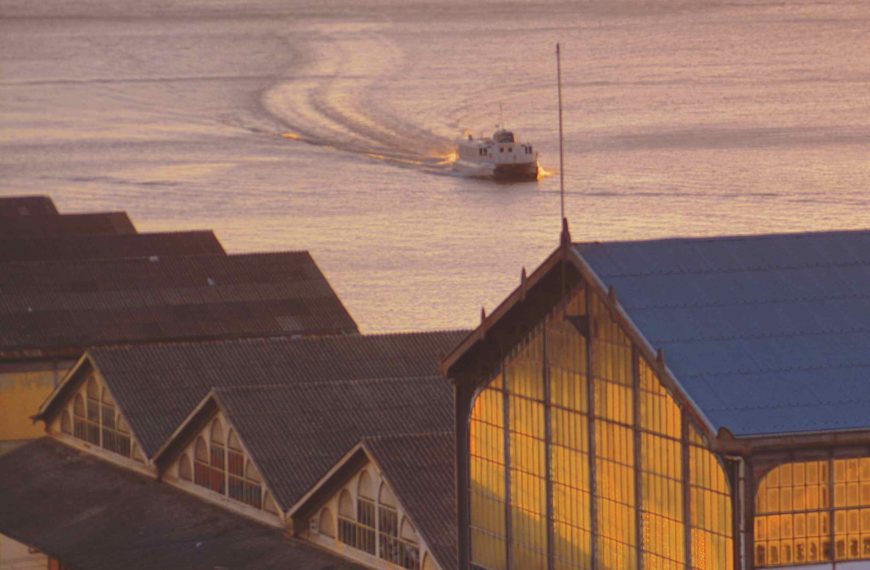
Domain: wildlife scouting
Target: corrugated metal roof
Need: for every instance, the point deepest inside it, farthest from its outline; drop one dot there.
(65, 224)
(157, 386)
(767, 334)
(80, 303)
(420, 469)
(26, 206)
(91, 514)
(297, 433)
(108, 246)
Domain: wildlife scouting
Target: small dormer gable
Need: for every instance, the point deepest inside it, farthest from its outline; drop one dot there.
(89, 417)
(364, 521)
(214, 464)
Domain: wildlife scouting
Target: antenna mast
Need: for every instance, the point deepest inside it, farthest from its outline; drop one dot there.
(561, 154)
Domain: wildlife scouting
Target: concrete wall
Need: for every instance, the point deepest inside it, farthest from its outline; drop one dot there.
(17, 556)
(23, 389)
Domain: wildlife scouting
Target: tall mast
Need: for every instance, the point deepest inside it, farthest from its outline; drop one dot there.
(561, 154)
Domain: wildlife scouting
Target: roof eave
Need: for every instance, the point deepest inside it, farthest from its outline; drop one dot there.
(448, 364)
(47, 409)
(310, 497)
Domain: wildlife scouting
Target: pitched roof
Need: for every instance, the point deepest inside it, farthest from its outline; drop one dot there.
(65, 224)
(767, 334)
(91, 514)
(57, 305)
(296, 434)
(26, 206)
(108, 246)
(420, 468)
(158, 385)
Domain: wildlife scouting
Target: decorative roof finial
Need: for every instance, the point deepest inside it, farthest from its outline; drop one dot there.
(565, 238)
(523, 282)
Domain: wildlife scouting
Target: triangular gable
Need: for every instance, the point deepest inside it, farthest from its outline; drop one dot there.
(207, 456)
(355, 511)
(563, 271)
(83, 411)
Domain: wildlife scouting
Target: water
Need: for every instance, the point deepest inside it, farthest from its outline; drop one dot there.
(324, 125)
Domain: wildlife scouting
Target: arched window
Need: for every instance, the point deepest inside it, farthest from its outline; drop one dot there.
(390, 547)
(79, 421)
(345, 506)
(92, 412)
(365, 513)
(235, 467)
(65, 423)
(326, 526)
(347, 527)
(217, 457)
(408, 544)
(253, 488)
(427, 562)
(116, 436)
(201, 466)
(388, 525)
(184, 470)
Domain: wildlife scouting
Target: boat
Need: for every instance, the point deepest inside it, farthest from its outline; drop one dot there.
(500, 157)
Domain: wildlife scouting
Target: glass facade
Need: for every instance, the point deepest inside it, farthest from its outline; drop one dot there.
(804, 515)
(580, 458)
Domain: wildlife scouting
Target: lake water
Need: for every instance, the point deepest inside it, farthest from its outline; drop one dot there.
(325, 125)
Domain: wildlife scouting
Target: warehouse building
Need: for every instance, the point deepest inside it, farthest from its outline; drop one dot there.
(682, 403)
(71, 281)
(268, 431)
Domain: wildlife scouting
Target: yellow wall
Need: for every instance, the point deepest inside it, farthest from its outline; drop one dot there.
(17, 556)
(23, 389)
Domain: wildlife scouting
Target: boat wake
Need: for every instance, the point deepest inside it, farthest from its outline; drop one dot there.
(338, 98)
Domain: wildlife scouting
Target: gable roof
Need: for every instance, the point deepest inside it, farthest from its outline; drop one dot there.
(26, 206)
(159, 385)
(420, 469)
(65, 224)
(295, 434)
(91, 514)
(64, 306)
(762, 335)
(108, 246)
(767, 334)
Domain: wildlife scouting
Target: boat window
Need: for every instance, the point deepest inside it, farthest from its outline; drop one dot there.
(510, 149)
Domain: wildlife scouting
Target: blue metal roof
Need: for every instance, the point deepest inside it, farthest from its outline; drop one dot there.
(766, 334)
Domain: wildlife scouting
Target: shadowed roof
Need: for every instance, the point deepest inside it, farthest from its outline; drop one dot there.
(57, 305)
(420, 468)
(108, 246)
(767, 334)
(157, 386)
(65, 224)
(91, 514)
(26, 206)
(296, 434)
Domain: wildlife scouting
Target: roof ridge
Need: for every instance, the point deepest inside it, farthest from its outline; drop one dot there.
(290, 337)
(734, 237)
(405, 435)
(306, 385)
